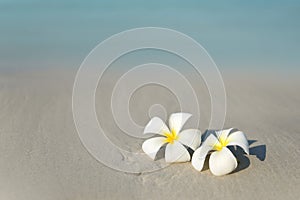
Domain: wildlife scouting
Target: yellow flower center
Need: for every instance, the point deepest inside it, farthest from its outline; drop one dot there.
(170, 137)
(222, 143)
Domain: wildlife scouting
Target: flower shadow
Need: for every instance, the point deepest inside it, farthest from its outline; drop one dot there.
(243, 161)
(259, 151)
(161, 153)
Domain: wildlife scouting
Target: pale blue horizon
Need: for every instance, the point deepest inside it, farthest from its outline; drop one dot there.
(237, 34)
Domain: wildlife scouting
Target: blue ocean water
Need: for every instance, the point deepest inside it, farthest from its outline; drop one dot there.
(261, 34)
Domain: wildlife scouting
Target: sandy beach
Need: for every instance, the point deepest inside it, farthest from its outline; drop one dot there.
(42, 157)
(51, 146)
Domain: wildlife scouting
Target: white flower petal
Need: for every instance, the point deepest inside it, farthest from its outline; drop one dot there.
(190, 138)
(176, 152)
(177, 120)
(152, 145)
(239, 139)
(223, 134)
(222, 162)
(201, 153)
(197, 159)
(211, 140)
(156, 125)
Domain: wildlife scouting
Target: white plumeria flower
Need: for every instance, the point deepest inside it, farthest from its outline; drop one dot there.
(221, 161)
(175, 151)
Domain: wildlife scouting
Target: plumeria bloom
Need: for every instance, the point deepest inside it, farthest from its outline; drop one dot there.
(221, 160)
(173, 137)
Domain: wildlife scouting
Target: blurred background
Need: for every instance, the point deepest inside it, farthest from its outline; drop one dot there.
(240, 35)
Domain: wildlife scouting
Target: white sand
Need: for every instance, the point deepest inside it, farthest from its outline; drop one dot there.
(41, 156)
